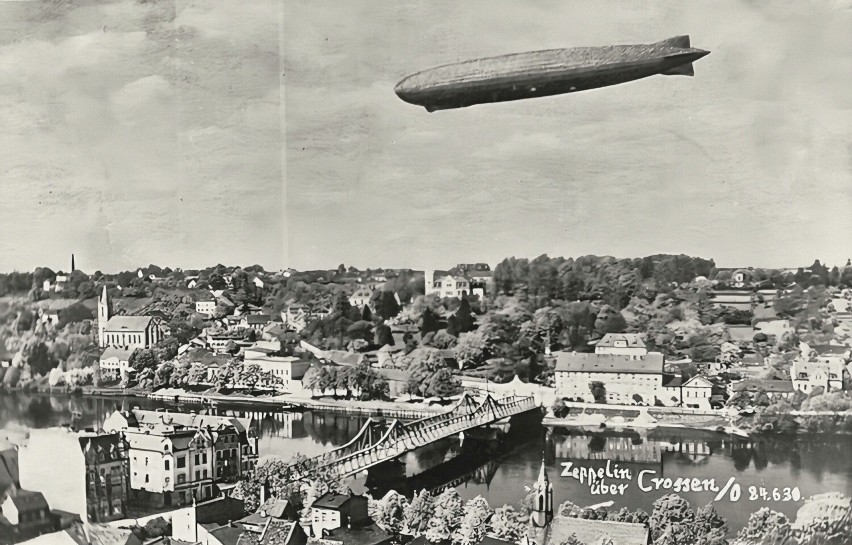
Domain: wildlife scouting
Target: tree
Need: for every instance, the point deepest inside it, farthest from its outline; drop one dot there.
(452, 326)
(143, 358)
(474, 522)
(673, 518)
(472, 348)
(443, 384)
(166, 349)
(366, 314)
(609, 320)
(164, 373)
(765, 527)
(463, 316)
(37, 356)
(383, 335)
(447, 516)
(429, 321)
(598, 391)
(390, 513)
(418, 514)
(506, 524)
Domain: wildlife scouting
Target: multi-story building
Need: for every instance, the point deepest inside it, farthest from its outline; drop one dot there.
(25, 515)
(287, 371)
(622, 364)
(207, 307)
(825, 372)
(176, 458)
(115, 360)
(107, 476)
(331, 511)
(127, 332)
(361, 297)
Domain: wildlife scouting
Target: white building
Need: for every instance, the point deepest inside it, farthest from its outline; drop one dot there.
(627, 344)
(126, 331)
(114, 361)
(207, 307)
(697, 392)
(826, 373)
(449, 286)
(361, 298)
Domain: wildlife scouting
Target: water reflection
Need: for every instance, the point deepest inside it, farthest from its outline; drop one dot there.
(498, 463)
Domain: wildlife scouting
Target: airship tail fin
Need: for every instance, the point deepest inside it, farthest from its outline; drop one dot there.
(677, 41)
(682, 70)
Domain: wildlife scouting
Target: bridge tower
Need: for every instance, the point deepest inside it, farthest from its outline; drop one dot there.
(542, 512)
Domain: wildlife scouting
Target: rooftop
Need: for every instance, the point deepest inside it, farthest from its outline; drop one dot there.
(330, 500)
(128, 323)
(595, 531)
(575, 362)
(633, 340)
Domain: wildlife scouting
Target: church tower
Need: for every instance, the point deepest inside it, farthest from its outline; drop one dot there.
(103, 317)
(542, 512)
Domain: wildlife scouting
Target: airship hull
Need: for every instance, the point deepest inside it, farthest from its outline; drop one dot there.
(544, 73)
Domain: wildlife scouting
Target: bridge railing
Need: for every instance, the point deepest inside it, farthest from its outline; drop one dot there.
(393, 442)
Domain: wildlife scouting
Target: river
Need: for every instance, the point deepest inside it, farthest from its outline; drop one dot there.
(499, 466)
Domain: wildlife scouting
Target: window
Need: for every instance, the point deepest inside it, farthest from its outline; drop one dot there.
(167, 465)
(147, 478)
(204, 458)
(196, 459)
(181, 462)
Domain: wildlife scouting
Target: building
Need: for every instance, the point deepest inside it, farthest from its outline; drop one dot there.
(25, 515)
(207, 307)
(331, 511)
(782, 389)
(255, 321)
(545, 529)
(697, 393)
(627, 378)
(447, 285)
(542, 510)
(826, 373)
(361, 298)
(741, 278)
(107, 476)
(627, 344)
(115, 360)
(287, 371)
(175, 458)
(126, 331)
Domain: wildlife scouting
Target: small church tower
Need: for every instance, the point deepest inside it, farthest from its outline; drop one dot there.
(542, 512)
(103, 317)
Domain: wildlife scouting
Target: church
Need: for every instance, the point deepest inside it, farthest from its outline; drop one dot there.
(126, 332)
(547, 529)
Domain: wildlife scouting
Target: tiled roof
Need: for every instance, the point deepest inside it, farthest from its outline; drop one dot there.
(27, 500)
(633, 340)
(651, 363)
(769, 386)
(596, 531)
(128, 323)
(330, 500)
(123, 354)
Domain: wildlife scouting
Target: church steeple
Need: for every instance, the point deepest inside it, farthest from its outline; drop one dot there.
(103, 317)
(542, 512)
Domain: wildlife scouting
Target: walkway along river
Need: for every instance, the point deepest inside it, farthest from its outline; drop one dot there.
(497, 463)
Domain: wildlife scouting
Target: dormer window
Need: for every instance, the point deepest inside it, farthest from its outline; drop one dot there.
(621, 344)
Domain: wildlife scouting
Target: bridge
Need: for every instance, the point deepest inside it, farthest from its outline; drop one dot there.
(379, 442)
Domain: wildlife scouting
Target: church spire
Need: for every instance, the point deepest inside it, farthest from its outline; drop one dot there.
(542, 512)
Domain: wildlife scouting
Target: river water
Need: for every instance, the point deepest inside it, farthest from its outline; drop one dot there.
(497, 465)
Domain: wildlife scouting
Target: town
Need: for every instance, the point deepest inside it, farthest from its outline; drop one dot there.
(591, 341)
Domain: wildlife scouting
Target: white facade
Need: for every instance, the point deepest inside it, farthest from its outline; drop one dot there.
(324, 519)
(826, 373)
(697, 392)
(450, 286)
(206, 307)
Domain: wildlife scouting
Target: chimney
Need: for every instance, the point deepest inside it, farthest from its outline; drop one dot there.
(72, 263)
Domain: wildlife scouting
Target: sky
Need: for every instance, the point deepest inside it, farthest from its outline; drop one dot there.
(193, 133)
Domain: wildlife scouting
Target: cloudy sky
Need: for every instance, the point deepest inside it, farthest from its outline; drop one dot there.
(142, 131)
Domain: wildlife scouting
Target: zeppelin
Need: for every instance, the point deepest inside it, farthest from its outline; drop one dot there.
(545, 73)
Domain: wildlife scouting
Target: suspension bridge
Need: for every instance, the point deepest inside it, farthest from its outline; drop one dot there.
(379, 441)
